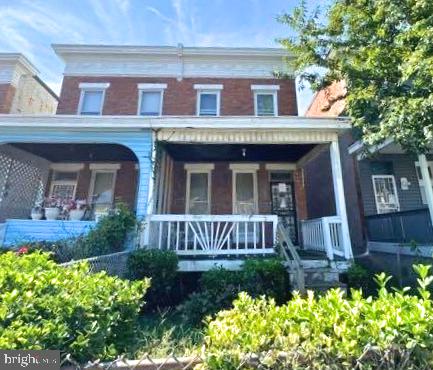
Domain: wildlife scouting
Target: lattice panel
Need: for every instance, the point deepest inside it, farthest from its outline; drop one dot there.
(5, 163)
(22, 186)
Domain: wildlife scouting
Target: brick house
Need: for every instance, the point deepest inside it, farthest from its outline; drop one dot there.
(21, 90)
(204, 143)
(393, 187)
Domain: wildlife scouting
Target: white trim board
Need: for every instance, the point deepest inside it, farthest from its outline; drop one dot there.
(67, 167)
(286, 123)
(407, 250)
(104, 166)
(280, 166)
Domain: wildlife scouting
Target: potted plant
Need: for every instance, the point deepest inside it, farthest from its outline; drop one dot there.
(76, 209)
(53, 206)
(36, 213)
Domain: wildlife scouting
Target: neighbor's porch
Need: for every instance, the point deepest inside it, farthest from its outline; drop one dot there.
(397, 197)
(228, 199)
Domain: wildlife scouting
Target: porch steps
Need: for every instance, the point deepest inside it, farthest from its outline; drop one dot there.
(322, 279)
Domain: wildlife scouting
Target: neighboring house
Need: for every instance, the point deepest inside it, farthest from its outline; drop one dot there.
(21, 90)
(392, 187)
(204, 143)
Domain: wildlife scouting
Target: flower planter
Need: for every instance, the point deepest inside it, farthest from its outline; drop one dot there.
(76, 214)
(36, 215)
(52, 213)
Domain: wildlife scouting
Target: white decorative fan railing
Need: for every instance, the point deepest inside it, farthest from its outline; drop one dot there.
(211, 234)
(323, 235)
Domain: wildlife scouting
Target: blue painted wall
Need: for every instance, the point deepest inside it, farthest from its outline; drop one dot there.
(20, 231)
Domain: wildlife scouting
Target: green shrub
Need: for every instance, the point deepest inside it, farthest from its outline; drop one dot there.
(394, 330)
(359, 277)
(59, 251)
(161, 267)
(218, 287)
(266, 277)
(46, 306)
(108, 236)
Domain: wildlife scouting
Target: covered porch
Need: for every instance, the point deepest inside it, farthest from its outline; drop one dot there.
(56, 185)
(398, 199)
(224, 195)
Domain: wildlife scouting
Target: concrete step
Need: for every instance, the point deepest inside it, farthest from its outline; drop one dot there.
(324, 287)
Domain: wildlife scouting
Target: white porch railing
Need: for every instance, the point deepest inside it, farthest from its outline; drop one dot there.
(211, 234)
(323, 235)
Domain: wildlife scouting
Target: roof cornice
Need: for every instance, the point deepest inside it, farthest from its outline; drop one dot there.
(18, 58)
(65, 49)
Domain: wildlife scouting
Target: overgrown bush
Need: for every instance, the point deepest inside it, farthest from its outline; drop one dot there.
(108, 236)
(161, 267)
(218, 287)
(46, 306)
(394, 330)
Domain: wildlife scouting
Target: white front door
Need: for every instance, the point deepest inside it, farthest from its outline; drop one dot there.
(245, 192)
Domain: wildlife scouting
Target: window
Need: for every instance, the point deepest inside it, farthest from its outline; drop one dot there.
(265, 100)
(245, 200)
(208, 99)
(102, 183)
(421, 181)
(92, 98)
(150, 99)
(198, 188)
(64, 184)
(385, 194)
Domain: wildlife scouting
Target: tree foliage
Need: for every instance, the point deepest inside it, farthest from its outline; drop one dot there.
(383, 49)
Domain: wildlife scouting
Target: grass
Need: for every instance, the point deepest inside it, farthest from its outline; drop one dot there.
(163, 334)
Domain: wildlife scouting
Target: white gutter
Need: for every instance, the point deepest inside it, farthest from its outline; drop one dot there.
(139, 122)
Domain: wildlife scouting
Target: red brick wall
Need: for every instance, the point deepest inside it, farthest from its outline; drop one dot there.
(7, 92)
(179, 97)
(124, 190)
(300, 195)
(222, 187)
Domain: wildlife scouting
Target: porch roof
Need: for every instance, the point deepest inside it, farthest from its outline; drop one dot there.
(121, 123)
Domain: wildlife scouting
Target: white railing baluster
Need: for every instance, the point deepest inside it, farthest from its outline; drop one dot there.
(323, 235)
(177, 235)
(254, 236)
(169, 236)
(160, 235)
(213, 234)
(186, 235)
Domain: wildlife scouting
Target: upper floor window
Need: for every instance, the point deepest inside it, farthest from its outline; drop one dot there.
(208, 99)
(150, 99)
(265, 100)
(92, 98)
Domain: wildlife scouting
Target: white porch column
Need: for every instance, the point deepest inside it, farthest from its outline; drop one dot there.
(340, 200)
(423, 165)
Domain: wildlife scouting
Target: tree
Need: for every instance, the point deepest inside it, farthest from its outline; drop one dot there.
(383, 49)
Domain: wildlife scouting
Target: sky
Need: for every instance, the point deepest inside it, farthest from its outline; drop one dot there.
(31, 26)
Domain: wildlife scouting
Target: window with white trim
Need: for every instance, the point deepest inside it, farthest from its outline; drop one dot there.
(208, 99)
(198, 188)
(421, 181)
(265, 100)
(92, 98)
(150, 99)
(385, 194)
(64, 184)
